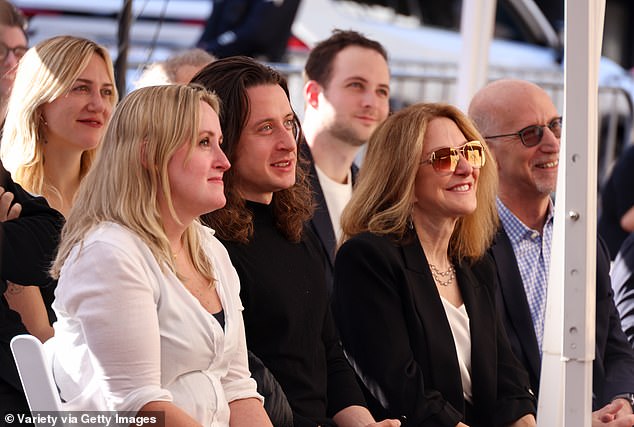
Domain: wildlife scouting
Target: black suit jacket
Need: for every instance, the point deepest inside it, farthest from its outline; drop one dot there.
(613, 366)
(321, 222)
(397, 337)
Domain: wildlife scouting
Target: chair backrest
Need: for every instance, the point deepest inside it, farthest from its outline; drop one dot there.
(36, 374)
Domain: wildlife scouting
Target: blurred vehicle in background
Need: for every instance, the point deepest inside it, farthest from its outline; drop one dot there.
(422, 39)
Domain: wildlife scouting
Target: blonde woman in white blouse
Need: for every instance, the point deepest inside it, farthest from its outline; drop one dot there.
(148, 307)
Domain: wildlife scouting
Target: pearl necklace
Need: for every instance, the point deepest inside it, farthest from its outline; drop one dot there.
(443, 278)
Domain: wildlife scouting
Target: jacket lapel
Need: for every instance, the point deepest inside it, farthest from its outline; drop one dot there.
(482, 317)
(321, 221)
(434, 321)
(515, 306)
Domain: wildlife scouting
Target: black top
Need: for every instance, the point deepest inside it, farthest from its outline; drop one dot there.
(28, 245)
(288, 320)
(398, 338)
(220, 317)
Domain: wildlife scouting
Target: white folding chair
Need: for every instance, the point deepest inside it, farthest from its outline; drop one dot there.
(36, 374)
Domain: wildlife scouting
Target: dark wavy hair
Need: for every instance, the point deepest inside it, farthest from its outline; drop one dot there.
(230, 78)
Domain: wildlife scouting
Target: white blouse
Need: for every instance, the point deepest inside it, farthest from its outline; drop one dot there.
(129, 333)
(459, 323)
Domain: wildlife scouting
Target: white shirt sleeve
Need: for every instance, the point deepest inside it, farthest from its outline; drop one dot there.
(106, 294)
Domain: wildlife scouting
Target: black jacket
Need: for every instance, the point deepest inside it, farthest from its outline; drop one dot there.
(396, 334)
(320, 223)
(613, 365)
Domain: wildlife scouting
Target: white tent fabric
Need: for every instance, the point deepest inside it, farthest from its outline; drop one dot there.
(476, 27)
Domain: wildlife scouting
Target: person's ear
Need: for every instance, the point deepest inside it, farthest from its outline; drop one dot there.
(312, 89)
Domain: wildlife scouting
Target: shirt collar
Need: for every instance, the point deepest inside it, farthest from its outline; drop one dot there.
(515, 228)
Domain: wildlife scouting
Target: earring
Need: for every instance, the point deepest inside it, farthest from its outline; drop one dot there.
(410, 223)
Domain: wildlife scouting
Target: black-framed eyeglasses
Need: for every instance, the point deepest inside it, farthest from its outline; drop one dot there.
(18, 51)
(445, 160)
(532, 135)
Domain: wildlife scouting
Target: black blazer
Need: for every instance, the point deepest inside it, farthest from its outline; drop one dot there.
(397, 337)
(321, 222)
(613, 366)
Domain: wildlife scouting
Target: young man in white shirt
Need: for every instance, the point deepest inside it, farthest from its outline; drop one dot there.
(346, 93)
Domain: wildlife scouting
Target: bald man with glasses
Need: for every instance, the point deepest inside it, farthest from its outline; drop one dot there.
(523, 128)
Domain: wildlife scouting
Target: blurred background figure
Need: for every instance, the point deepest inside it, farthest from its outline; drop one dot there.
(61, 103)
(256, 28)
(616, 220)
(178, 68)
(623, 286)
(13, 45)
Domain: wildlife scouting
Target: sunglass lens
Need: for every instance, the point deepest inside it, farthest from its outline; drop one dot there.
(555, 127)
(474, 155)
(532, 135)
(444, 160)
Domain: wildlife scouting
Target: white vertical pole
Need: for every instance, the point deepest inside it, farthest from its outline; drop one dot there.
(476, 27)
(566, 382)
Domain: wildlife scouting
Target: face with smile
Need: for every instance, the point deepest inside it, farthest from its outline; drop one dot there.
(77, 120)
(444, 195)
(356, 99)
(526, 171)
(12, 37)
(266, 156)
(195, 174)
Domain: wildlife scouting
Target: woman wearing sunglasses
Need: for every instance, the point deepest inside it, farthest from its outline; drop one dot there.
(414, 289)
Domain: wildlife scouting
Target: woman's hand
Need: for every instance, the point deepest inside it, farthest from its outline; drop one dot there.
(8, 211)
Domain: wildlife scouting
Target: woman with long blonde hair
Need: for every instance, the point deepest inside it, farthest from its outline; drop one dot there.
(62, 99)
(148, 306)
(414, 289)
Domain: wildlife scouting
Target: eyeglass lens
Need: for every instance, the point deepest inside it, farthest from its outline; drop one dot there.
(18, 51)
(446, 159)
(532, 135)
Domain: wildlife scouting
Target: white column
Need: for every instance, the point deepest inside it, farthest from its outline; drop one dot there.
(566, 381)
(476, 27)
